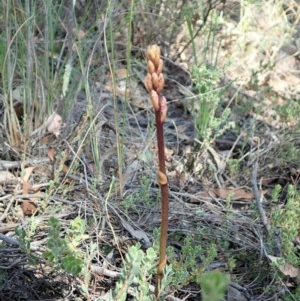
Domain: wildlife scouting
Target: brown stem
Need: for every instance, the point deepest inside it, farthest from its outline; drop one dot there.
(164, 201)
(154, 82)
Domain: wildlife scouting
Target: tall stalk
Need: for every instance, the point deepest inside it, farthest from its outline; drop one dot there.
(155, 82)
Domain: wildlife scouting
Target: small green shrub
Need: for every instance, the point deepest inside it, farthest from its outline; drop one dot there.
(208, 125)
(213, 286)
(63, 252)
(192, 261)
(205, 76)
(142, 194)
(24, 237)
(136, 273)
(287, 219)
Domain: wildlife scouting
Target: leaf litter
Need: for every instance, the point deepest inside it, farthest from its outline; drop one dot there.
(205, 196)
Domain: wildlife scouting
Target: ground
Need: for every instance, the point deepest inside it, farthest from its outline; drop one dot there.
(84, 151)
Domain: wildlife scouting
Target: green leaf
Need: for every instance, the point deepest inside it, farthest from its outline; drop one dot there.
(72, 265)
(214, 285)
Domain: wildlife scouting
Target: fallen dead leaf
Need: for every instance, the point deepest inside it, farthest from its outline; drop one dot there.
(54, 124)
(203, 195)
(48, 138)
(6, 176)
(221, 164)
(286, 268)
(27, 173)
(233, 193)
(28, 208)
(51, 155)
(27, 188)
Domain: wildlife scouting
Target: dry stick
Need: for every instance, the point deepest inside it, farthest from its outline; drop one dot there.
(258, 198)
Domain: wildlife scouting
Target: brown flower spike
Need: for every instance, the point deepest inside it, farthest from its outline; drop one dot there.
(155, 82)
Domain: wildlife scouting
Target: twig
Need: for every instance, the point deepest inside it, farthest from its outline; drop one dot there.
(277, 241)
(3, 216)
(258, 198)
(7, 267)
(4, 165)
(9, 240)
(104, 271)
(139, 234)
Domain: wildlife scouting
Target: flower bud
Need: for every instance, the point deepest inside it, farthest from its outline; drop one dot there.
(154, 99)
(155, 81)
(151, 67)
(160, 66)
(153, 54)
(161, 82)
(148, 82)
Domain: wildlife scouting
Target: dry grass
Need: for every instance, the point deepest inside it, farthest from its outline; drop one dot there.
(107, 144)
